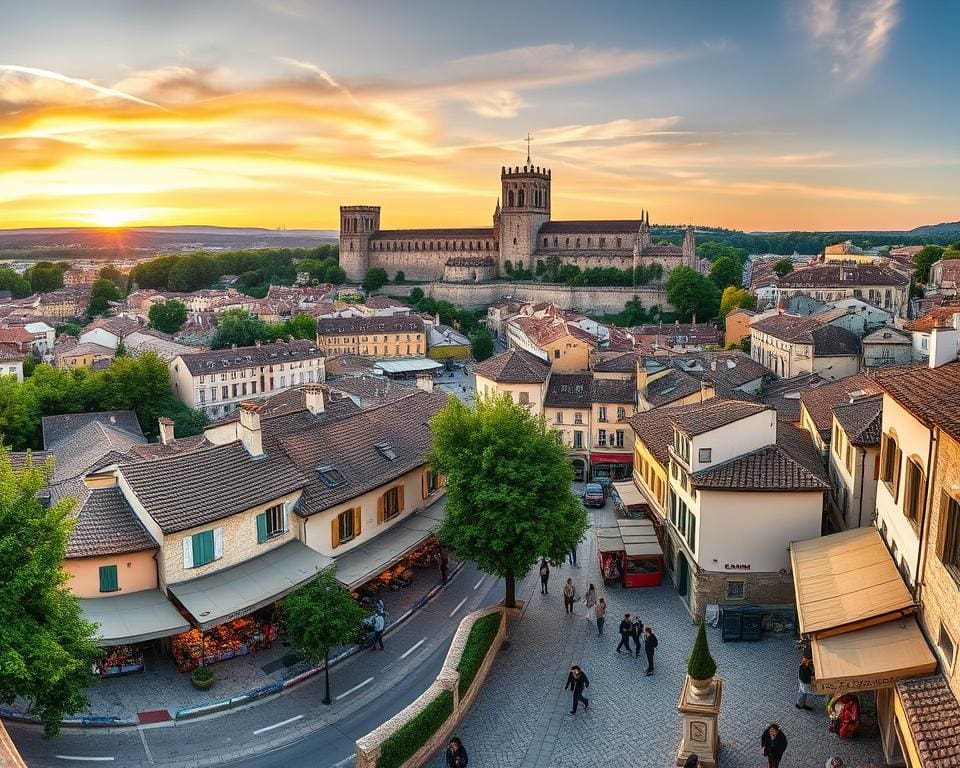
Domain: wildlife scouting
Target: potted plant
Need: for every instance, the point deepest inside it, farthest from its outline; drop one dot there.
(202, 678)
(701, 667)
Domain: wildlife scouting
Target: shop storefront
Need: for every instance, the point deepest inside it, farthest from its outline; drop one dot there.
(239, 637)
(858, 615)
(130, 625)
(616, 466)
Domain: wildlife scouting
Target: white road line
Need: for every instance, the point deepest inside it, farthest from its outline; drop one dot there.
(355, 688)
(459, 606)
(477, 585)
(84, 759)
(345, 762)
(277, 725)
(407, 653)
(146, 747)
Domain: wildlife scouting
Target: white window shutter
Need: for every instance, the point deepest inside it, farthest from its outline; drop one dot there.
(286, 518)
(217, 543)
(188, 551)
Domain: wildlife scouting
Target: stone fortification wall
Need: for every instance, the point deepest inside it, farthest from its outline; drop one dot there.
(415, 265)
(595, 300)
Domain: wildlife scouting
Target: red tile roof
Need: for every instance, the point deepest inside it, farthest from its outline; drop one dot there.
(515, 366)
(821, 401)
(930, 394)
(933, 716)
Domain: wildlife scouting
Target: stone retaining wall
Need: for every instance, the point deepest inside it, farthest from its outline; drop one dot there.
(368, 747)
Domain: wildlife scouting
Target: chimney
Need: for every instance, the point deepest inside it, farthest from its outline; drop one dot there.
(250, 432)
(166, 430)
(313, 393)
(425, 382)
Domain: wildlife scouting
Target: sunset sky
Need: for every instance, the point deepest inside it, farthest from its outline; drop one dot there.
(802, 114)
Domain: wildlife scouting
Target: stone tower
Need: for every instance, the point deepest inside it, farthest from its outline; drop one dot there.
(357, 223)
(690, 250)
(526, 207)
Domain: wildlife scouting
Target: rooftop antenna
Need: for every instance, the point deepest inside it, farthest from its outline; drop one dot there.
(528, 140)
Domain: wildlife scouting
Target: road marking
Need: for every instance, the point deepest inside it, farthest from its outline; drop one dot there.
(407, 653)
(86, 759)
(277, 725)
(477, 585)
(146, 747)
(459, 606)
(355, 688)
(346, 761)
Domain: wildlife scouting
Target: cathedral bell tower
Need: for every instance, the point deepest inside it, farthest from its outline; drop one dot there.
(525, 195)
(357, 224)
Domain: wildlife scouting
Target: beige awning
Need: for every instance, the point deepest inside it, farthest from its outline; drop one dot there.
(133, 617)
(629, 493)
(869, 658)
(846, 578)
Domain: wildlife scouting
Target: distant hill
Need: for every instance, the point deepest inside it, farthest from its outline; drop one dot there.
(937, 229)
(113, 242)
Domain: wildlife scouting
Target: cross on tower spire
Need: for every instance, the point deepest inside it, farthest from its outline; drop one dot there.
(528, 140)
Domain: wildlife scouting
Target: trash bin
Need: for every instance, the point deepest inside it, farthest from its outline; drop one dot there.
(731, 623)
(752, 623)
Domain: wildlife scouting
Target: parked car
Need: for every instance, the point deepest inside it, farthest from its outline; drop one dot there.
(593, 495)
(606, 483)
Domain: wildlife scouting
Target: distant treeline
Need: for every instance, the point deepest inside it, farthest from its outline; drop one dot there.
(786, 243)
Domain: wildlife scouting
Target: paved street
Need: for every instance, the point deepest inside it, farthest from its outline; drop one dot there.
(521, 718)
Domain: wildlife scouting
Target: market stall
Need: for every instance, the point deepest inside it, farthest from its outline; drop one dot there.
(642, 555)
(235, 638)
(610, 555)
(119, 660)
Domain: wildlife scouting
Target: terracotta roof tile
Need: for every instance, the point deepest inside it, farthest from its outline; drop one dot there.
(933, 716)
(672, 386)
(768, 469)
(861, 420)
(569, 390)
(713, 414)
(615, 391)
(784, 394)
(515, 366)
(617, 363)
(246, 357)
(106, 525)
(930, 394)
(838, 275)
(334, 326)
(798, 445)
(820, 402)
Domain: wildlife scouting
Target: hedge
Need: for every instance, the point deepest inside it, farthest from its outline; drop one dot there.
(403, 744)
(478, 643)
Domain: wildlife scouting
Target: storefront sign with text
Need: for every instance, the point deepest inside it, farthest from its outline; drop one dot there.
(737, 566)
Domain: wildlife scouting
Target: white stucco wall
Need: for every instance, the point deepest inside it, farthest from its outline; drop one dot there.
(727, 442)
(835, 368)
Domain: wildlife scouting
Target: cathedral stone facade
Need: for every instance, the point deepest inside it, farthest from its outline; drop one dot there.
(522, 233)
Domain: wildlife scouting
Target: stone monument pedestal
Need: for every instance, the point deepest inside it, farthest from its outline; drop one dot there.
(700, 712)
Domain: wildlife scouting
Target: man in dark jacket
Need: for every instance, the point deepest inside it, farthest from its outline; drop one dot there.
(773, 744)
(577, 681)
(650, 644)
(626, 630)
(637, 633)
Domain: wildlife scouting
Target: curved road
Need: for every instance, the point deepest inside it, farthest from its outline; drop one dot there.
(292, 729)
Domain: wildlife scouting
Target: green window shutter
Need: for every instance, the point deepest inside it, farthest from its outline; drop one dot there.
(261, 527)
(202, 548)
(108, 578)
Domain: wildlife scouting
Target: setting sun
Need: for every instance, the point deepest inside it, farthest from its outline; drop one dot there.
(111, 218)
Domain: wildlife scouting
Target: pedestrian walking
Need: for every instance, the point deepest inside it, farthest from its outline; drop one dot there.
(834, 762)
(544, 576)
(637, 633)
(569, 593)
(601, 613)
(456, 754)
(377, 631)
(444, 564)
(590, 600)
(773, 743)
(805, 676)
(692, 761)
(572, 555)
(626, 630)
(577, 681)
(650, 644)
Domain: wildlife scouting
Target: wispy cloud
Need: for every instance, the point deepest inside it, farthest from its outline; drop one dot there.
(76, 82)
(856, 34)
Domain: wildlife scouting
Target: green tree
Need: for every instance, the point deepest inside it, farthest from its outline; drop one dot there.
(19, 413)
(481, 344)
(734, 298)
(45, 277)
(335, 275)
(46, 647)
(509, 500)
(322, 615)
(782, 267)
(17, 284)
(725, 271)
(115, 276)
(193, 272)
(700, 665)
(237, 326)
(102, 292)
(70, 329)
(923, 260)
(691, 293)
(302, 326)
(375, 279)
(416, 295)
(400, 277)
(168, 316)
(711, 251)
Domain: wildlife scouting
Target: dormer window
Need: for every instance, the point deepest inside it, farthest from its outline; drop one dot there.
(330, 476)
(386, 450)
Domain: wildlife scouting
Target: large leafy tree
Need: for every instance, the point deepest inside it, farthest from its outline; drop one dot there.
(45, 276)
(375, 279)
(302, 326)
(322, 615)
(923, 260)
(734, 298)
(725, 271)
(168, 316)
(46, 647)
(782, 267)
(509, 500)
(481, 344)
(693, 294)
(237, 326)
(16, 283)
(102, 292)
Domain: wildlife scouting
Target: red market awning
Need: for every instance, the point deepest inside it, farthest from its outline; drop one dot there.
(611, 458)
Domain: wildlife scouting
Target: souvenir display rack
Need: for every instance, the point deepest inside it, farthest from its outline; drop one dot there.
(119, 660)
(235, 638)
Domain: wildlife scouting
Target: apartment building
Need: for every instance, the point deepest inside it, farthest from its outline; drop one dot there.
(379, 336)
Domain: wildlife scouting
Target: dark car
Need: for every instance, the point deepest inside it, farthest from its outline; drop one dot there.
(593, 495)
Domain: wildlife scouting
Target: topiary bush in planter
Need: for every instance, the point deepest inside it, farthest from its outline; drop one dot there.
(701, 665)
(202, 678)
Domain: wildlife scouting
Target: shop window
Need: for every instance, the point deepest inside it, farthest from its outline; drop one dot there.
(345, 526)
(705, 455)
(736, 590)
(948, 547)
(914, 493)
(271, 522)
(946, 645)
(202, 548)
(391, 504)
(108, 578)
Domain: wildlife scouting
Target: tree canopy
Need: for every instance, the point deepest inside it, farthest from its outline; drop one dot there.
(375, 279)
(168, 316)
(481, 344)
(782, 267)
(322, 615)
(734, 298)
(237, 326)
(509, 500)
(712, 251)
(17, 284)
(923, 260)
(45, 276)
(46, 646)
(691, 293)
(102, 292)
(725, 271)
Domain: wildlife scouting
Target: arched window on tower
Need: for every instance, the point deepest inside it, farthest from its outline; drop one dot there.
(578, 242)
(510, 199)
(520, 198)
(544, 242)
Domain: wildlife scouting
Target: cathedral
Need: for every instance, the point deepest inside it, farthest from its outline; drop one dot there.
(521, 233)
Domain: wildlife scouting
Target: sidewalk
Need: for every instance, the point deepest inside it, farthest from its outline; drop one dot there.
(161, 686)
